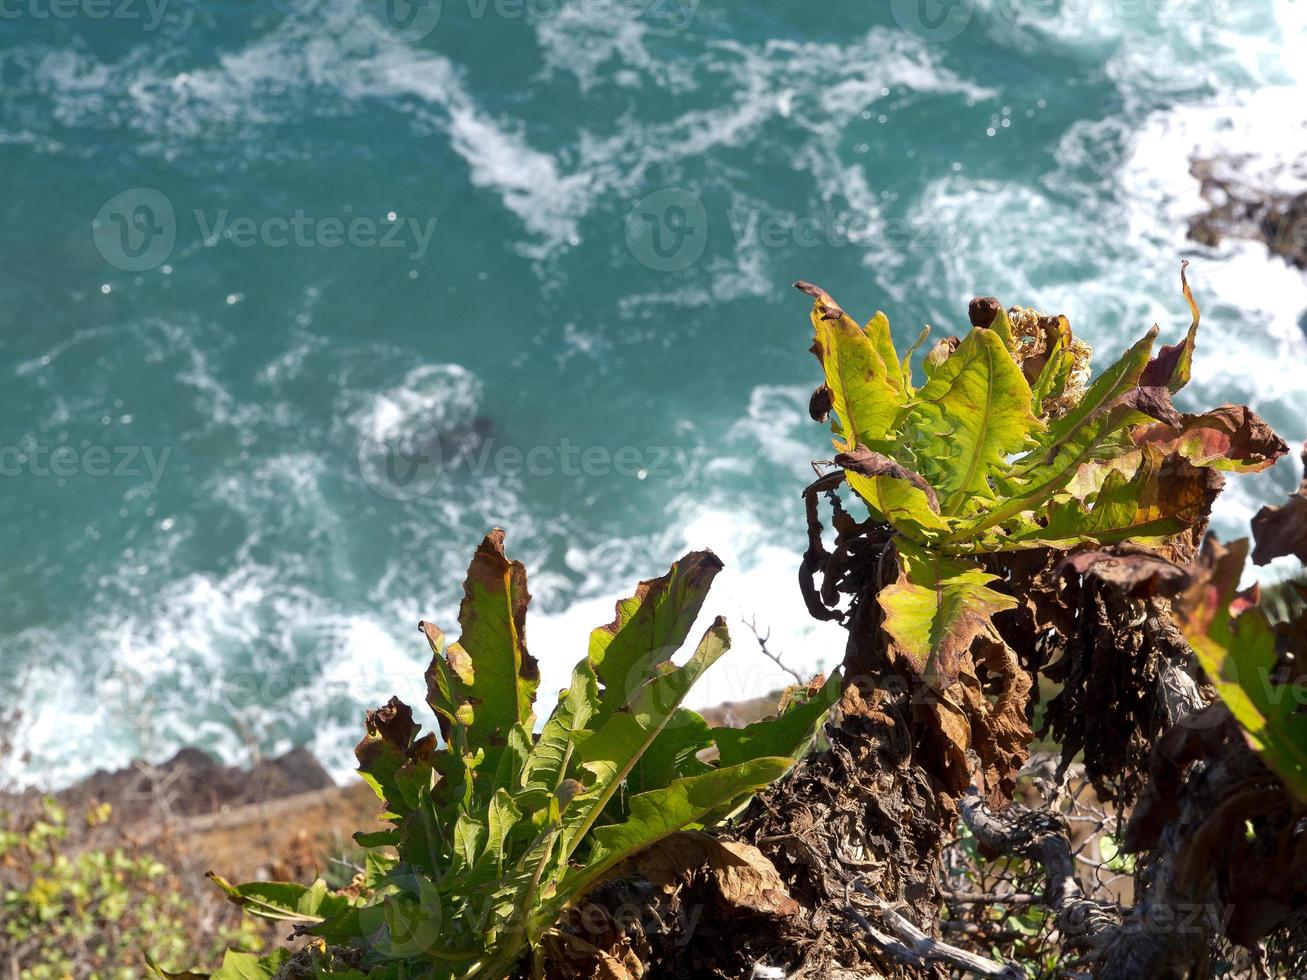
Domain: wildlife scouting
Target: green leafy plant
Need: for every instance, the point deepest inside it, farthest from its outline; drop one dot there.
(498, 830)
(1007, 446)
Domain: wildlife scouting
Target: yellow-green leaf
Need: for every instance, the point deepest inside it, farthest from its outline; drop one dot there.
(971, 416)
(864, 397)
(935, 610)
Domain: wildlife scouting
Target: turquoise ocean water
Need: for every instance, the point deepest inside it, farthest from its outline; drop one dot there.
(299, 299)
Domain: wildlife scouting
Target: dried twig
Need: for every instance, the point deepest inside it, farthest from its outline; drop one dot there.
(988, 898)
(914, 946)
(773, 657)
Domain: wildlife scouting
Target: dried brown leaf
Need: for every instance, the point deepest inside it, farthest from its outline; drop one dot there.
(864, 461)
(986, 719)
(743, 880)
(1136, 571)
(1282, 530)
(1228, 437)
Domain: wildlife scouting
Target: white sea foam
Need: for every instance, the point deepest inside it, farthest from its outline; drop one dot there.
(431, 396)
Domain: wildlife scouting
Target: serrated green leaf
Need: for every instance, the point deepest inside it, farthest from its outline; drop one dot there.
(969, 418)
(469, 842)
(655, 815)
(375, 868)
(1053, 377)
(501, 818)
(379, 838)
(878, 332)
(609, 753)
(935, 610)
(788, 735)
(283, 901)
(1097, 428)
(1157, 501)
(550, 758)
(648, 628)
(672, 754)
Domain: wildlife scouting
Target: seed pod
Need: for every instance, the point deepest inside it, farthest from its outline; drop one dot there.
(983, 310)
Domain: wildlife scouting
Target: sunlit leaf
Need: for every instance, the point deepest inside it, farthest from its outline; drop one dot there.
(936, 608)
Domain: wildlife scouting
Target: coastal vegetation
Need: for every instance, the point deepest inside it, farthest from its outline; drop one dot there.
(1062, 741)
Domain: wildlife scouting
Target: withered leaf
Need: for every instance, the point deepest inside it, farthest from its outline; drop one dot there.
(1171, 367)
(992, 726)
(831, 310)
(1231, 437)
(1282, 530)
(487, 680)
(819, 405)
(1138, 572)
(1152, 401)
(982, 310)
(867, 463)
(743, 879)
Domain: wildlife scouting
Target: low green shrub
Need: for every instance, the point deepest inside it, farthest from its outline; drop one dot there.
(89, 913)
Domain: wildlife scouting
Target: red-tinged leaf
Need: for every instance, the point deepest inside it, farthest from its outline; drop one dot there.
(487, 680)
(1232, 437)
(1238, 650)
(1172, 365)
(935, 610)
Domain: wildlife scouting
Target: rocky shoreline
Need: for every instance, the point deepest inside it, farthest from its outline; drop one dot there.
(1246, 204)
